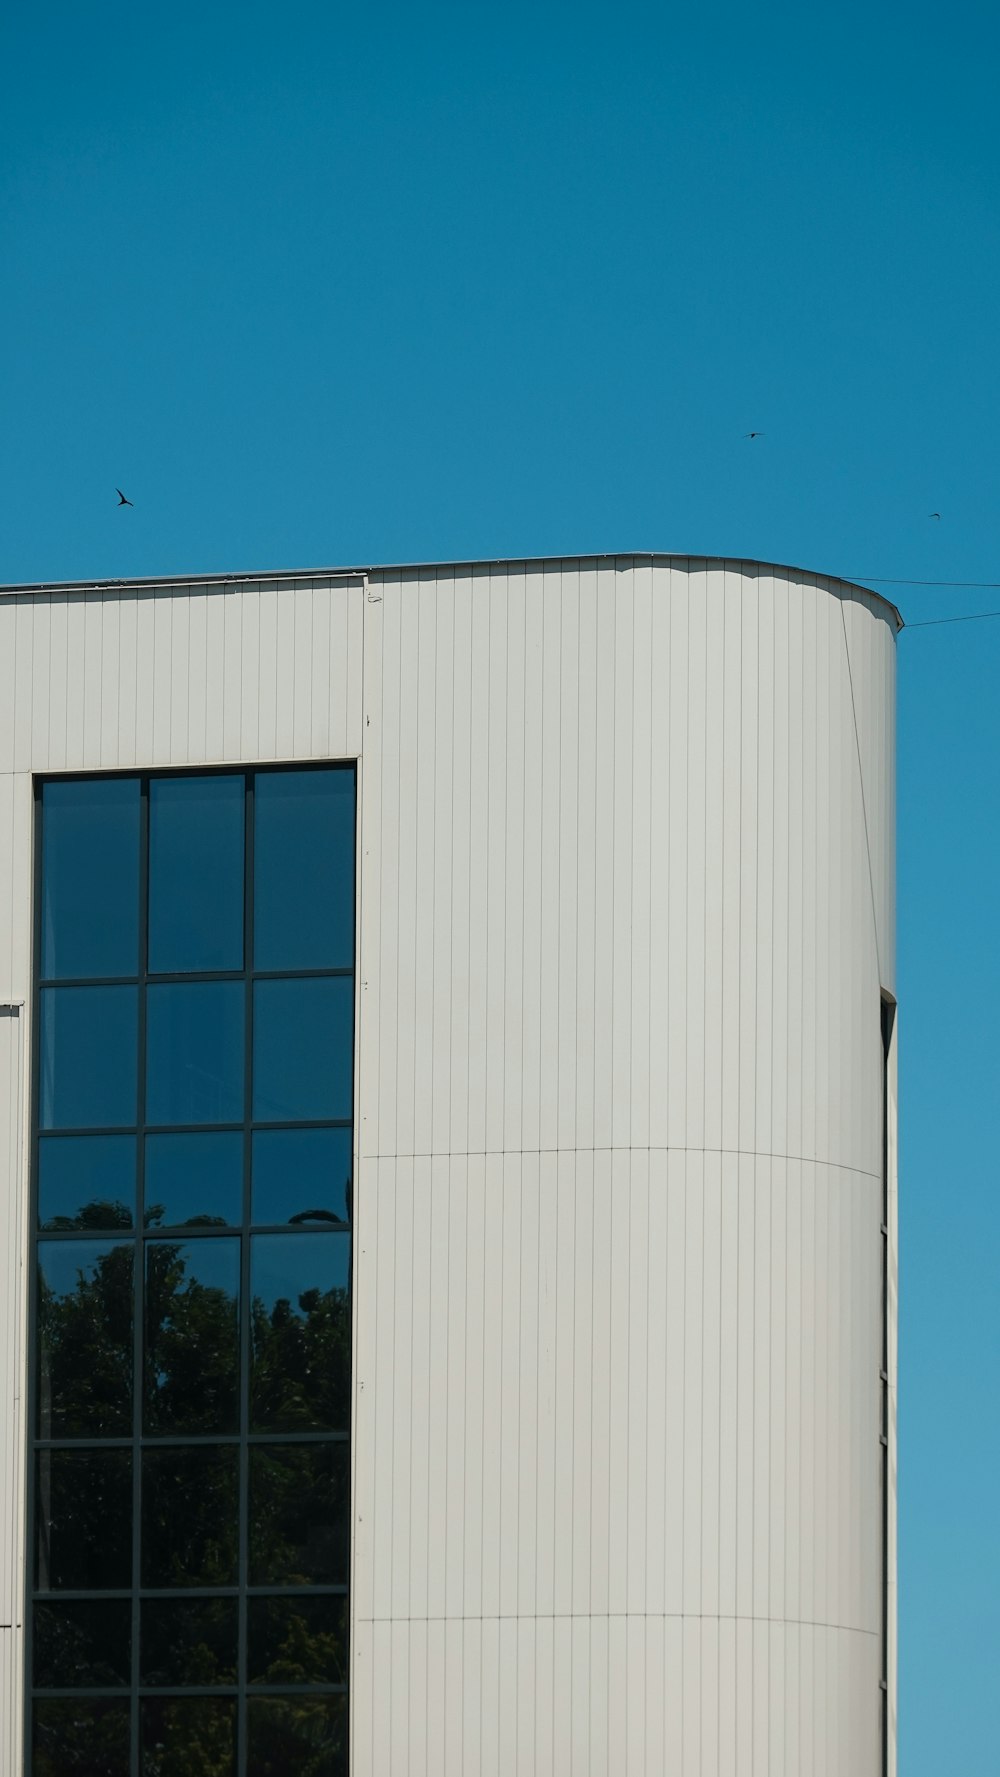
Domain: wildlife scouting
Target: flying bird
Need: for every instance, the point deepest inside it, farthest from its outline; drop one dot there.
(934, 515)
(755, 434)
(121, 498)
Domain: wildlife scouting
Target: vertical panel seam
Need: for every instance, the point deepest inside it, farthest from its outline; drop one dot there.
(861, 781)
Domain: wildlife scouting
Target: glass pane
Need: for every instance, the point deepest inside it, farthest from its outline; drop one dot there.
(188, 1641)
(190, 1510)
(303, 1035)
(84, 1319)
(86, 1181)
(192, 1336)
(303, 888)
(195, 874)
(299, 1514)
(300, 1329)
(307, 1735)
(83, 1529)
(80, 1737)
(86, 1645)
(194, 1052)
(182, 1736)
(88, 1057)
(195, 1180)
(302, 1175)
(297, 1640)
(90, 878)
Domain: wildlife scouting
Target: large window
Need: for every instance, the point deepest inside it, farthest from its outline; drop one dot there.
(191, 1325)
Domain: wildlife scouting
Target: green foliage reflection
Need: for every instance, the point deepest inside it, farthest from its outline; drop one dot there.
(304, 1735)
(296, 1641)
(298, 1529)
(85, 1344)
(192, 1342)
(81, 1737)
(188, 1737)
(302, 1361)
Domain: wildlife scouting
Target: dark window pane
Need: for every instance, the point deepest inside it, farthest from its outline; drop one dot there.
(307, 1735)
(304, 870)
(188, 1737)
(188, 1641)
(190, 1505)
(193, 1179)
(90, 878)
(299, 1514)
(84, 1338)
(302, 1175)
(86, 1181)
(192, 1335)
(80, 1737)
(88, 1057)
(83, 1513)
(85, 1645)
(194, 1052)
(297, 1640)
(303, 1033)
(300, 1328)
(195, 874)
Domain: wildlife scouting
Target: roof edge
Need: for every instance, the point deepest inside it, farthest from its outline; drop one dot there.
(244, 578)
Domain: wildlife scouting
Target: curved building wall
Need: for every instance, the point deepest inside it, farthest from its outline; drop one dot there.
(627, 891)
(626, 901)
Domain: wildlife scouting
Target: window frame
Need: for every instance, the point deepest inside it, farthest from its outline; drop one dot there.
(241, 1692)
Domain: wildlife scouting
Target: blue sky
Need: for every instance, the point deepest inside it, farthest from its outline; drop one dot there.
(319, 285)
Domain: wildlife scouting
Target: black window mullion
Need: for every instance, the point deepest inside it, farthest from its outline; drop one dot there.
(31, 1514)
(245, 1305)
(193, 1440)
(193, 1231)
(197, 1128)
(90, 980)
(139, 1275)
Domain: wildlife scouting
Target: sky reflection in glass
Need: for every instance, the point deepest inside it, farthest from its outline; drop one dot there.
(90, 877)
(195, 874)
(88, 1054)
(301, 1175)
(304, 870)
(193, 1178)
(303, 1037)
(194, 1052)
(86, 1181)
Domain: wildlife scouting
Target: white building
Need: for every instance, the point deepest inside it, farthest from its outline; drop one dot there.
(601, 1043)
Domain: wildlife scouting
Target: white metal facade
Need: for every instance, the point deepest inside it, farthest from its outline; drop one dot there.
(626, 908)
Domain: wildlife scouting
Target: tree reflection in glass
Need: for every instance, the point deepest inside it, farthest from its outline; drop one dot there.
(299, 1514)
(192, 1335)
(85, 1643)
(188, 1641)
(300, 1328)
(297, 1640)
(304, 1735)
(80, 1737)
(83, 1520)
(190, 1516)
(84, 1320)
(188, 1737)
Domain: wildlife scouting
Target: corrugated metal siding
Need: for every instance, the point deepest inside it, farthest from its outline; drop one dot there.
(178, 675)
(141, 677)
(12, 1105)
(621, 1146)
(617, 1343)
